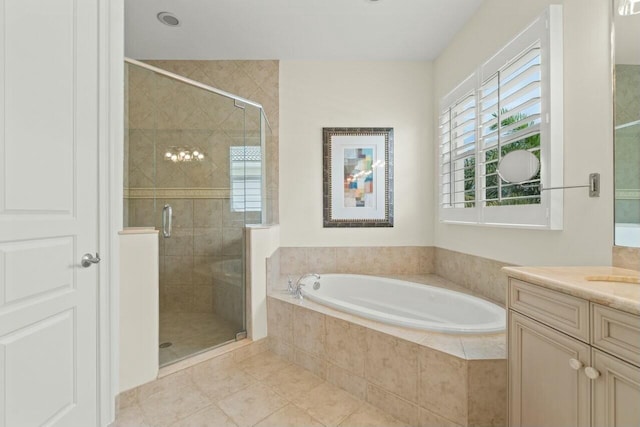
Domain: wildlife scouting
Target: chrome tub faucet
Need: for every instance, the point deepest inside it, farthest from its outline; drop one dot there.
(296, 290)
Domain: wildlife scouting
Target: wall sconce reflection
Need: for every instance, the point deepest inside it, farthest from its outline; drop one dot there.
(176, 154)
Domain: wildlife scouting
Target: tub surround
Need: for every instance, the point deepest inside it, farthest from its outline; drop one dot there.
(378, 260)
(626, 257)
(420, 377)
(470, 347)
(481, 276)
(573, 281)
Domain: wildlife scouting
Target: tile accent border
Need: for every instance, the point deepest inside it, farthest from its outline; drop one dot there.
(177, 193)
(627, 194)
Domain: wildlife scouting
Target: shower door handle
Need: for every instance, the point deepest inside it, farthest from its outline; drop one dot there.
(167, 213)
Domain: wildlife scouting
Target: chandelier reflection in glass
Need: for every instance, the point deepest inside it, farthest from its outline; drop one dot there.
(178, 154)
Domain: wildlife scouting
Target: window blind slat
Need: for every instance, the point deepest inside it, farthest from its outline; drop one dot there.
(527, 93)
(510, 115)
(530, 75)
(246, 178)
(520, 63)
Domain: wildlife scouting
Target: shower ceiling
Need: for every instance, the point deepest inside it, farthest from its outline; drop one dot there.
(294, 29)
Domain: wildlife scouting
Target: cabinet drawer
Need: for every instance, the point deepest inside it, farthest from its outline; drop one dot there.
(563, 312)
(616, 332)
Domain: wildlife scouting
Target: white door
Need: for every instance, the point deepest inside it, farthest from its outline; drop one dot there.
(48, 212)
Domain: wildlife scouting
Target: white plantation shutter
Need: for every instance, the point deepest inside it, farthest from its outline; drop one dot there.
(459, 151)
(510, 114)
(513, 101)
(246, 178)
(458, 146)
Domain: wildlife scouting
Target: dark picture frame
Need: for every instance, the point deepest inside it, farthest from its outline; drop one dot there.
(357, 185)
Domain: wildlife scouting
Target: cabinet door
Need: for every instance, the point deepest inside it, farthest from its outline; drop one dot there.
(616, 397)
(544, 390)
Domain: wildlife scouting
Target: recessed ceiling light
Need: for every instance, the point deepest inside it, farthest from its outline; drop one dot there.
(168, 18)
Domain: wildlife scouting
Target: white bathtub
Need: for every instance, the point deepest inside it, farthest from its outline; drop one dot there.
(408, 304)
(627, 234)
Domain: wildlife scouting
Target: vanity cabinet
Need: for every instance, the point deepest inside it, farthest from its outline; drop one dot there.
(571, 362)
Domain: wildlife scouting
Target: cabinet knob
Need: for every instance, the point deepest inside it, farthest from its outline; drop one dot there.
(575, 364)
(591, 373)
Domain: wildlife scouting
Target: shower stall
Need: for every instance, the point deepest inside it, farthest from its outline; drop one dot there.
(194, 170)
(627, 154)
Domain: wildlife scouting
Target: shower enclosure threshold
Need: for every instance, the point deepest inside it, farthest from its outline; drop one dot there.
(204, 350)
(201, 356)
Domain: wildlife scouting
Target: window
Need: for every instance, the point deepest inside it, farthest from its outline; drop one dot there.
(458, 148)
(511, 102)
(246, 178)
(510, 109)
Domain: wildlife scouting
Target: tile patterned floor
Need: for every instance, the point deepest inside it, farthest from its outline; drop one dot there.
(262, 391)
(190, 333)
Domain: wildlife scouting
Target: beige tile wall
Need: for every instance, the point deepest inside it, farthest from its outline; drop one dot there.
(390, 260)
(200, 265)
(625, 257)
(480, 275)
(254, 80)
(417, 384)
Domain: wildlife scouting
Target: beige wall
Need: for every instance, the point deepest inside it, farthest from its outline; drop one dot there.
(314, 95)
(139, 317)
(588, 222)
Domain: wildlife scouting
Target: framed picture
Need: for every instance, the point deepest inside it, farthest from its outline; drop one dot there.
(357, 177)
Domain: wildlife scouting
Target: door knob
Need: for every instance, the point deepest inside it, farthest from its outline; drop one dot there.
(591, 373)
(575, 364)
(88, 259)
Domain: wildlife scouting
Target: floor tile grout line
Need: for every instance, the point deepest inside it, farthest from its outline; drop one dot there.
(250, 385)
(264, 418)
(193, 413)
(190, 382)
(306, 411)
(291, 402)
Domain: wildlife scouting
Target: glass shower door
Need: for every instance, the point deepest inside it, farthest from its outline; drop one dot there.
(188, 141)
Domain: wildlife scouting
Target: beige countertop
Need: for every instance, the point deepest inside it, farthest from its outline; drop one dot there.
(574, 281)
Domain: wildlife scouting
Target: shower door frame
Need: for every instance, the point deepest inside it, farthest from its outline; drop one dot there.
(239, 102)
(190, 82)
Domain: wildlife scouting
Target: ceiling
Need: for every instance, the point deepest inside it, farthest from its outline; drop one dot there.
(295, 29)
